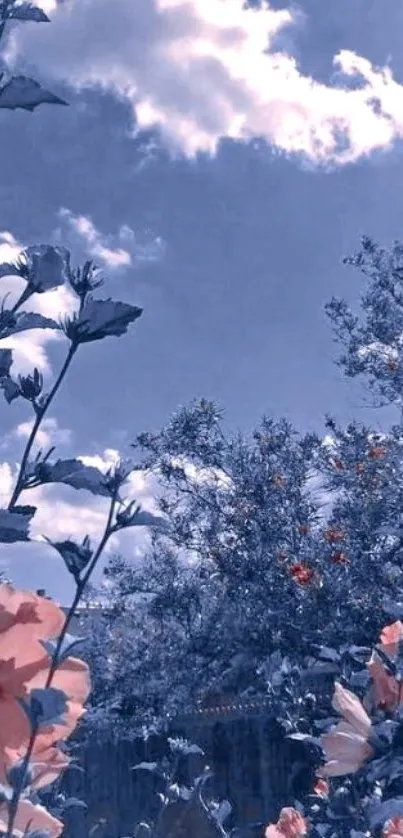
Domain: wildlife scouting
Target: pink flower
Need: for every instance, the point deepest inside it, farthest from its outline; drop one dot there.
(30, 817)
(18, 608)
(393, 828)
(46, 762)
(25, 619)
(291, 824)
(390, 637)
(346, 747)
(386, 690)
(321, 788)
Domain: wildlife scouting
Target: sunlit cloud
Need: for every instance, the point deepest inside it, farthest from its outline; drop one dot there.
(202, 71)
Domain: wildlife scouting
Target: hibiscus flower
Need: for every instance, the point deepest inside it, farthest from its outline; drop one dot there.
(346, 747)
(387, 692)
(25, 619)
(291, 824)
(46, 762)
(393, 828)
(30, 817)
(390, 637)
(321, 788)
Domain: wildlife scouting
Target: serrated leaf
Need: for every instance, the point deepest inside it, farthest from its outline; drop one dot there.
(27, 11)
(69, 643)
(25, 93)
(101, 318)
(14, 524)
(73, 473)
(22, 321)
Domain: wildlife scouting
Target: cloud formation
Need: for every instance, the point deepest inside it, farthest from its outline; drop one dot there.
(48, 434)
(201, 71)
(108, 250)
(84, 228)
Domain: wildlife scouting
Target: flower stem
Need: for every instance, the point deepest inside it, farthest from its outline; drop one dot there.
(80, 588)
(38, 419)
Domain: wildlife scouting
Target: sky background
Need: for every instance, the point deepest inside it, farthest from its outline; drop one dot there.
(217, 162)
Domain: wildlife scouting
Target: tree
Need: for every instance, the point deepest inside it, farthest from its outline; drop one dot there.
(279, 541)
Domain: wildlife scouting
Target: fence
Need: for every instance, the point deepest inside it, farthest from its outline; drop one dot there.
(246, 749)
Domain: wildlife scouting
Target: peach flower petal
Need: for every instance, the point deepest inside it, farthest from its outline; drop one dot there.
(14, 724)
(349, 706)
(390, 637)
(72, 676)
(291, 824)
(18, 608)
(386, 691)
(30, 817)
(46, 762)
(393, 828)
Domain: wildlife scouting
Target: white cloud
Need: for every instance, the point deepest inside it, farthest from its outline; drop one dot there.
(48, 434)
(199, 476)
(108, 250)
(9, 247)
(204, 70)
(84, 228)
(6, 483)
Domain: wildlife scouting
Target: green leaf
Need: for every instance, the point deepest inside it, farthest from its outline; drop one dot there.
(101, 318)
(44, 707)
(22, 321)
(25, 93)
(27, 11)
(14, 524)
(73, 473)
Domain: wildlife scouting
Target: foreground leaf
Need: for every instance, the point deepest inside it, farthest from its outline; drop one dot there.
(25, 93)
(10, 389)
(44, 707)
(14, 524)
(22, 321)
(26, 11)
(73, 473)
(69, 643)
(101, 318)
(75, 556)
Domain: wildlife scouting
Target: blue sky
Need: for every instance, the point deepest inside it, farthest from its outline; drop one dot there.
(217, 162)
